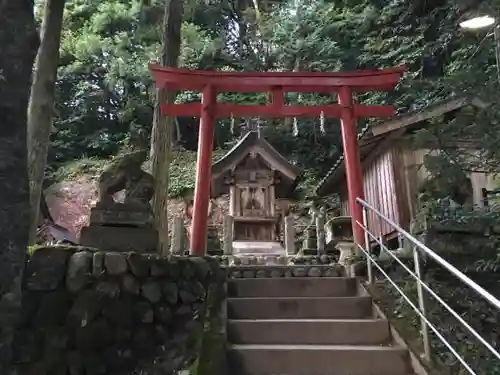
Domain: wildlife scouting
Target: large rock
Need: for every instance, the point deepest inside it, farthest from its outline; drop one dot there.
(170, 292)
(139, 265)
(151, 291)
(115, 263)
(86, 307)
(79, 271)
(46, 268)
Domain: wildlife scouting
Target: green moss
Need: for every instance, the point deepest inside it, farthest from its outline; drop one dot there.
(472, 308)
(183, 172)
(75, 169)
(72, 248)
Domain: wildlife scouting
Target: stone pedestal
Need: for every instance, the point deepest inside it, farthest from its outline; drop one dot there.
(121, 214)
(346, 252)
(120, 227)
(258, 248)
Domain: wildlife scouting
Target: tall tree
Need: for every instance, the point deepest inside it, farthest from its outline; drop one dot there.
(41, 104)
(163, 127)
(18, 43)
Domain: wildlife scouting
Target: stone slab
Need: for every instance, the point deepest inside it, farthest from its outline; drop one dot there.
(358, 307)
(293, 287)
(120, 238)
(309, 332)
(258, 248)
(121, 214)
(318, 360)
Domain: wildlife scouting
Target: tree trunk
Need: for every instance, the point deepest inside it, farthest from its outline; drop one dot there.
(18, 45)
(163, 127)
(41, 104)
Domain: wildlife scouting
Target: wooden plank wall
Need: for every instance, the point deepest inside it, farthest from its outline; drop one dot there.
(391, 182)
(379, 186)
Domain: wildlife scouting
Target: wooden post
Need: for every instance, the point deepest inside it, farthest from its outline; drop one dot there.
(228, 234)
(272, 200)
(289, 236)
(198, 244)
(232, 200)
(176, 246)
(352, 162)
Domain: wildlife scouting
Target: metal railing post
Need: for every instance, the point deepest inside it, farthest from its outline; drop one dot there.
(419, 308)
(367, 247)
(424, 329)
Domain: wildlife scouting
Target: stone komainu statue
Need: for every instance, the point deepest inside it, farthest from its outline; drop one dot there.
(125, 172)
(458, 188)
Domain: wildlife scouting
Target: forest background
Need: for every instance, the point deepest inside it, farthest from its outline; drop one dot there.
(105, 93)
(105, 97)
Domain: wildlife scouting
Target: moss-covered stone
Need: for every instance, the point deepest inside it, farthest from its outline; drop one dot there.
(212, 343)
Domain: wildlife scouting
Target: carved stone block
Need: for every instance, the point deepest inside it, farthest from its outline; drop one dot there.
(289, 236)
(120, 238)
(177, 245)
(121, 214)
(228, 234)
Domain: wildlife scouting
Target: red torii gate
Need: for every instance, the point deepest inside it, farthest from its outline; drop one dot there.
(275, 84)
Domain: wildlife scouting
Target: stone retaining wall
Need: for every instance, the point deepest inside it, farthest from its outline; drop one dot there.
(90, 313)
(261, 271)
(284, 266)
(247, 260)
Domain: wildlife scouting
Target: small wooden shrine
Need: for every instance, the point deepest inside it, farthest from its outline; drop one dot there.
(254, 174)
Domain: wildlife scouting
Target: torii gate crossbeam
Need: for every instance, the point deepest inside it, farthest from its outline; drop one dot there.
(276, 84)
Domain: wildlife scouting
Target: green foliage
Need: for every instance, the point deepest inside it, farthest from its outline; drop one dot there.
(183, 172)
(74, 169)
(105, 90)
(477, 312)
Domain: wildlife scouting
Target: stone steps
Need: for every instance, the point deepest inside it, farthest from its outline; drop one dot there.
(300, 308)
(318, 360)
(294, 287)
(307, 326)
(309, 331)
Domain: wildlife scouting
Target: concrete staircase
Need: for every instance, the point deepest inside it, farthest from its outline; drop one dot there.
(308, 326)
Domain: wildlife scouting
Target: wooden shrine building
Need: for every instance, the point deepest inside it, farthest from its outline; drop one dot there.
(255, 175)
(393, 168)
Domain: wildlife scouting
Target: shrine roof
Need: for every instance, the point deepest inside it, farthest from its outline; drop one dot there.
(253, 142)
(379, 136)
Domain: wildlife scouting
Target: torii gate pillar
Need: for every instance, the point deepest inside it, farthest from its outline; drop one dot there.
(203, 172)
(353, 170)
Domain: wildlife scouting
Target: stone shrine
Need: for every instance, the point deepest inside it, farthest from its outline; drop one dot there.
(123, 226)
(255, 175)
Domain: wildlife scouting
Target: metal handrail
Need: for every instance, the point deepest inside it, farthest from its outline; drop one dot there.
(420, 310)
